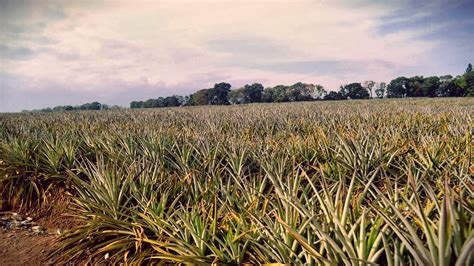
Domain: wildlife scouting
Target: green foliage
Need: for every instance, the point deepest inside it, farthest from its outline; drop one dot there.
(380, 90)
(397, 88)
(401, 87)
(369, 85)
(332, 95)
(354, 91)
(86, 106)
(469, 68)
(294, 93)
(218, 95)
(247, 94)
(352, 182)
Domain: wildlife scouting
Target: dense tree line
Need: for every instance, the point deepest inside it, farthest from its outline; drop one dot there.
(442, 86)
(417, 86)
(221, 94)
(86, 106)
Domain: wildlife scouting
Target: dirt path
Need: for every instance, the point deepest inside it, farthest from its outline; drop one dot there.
(20, 247)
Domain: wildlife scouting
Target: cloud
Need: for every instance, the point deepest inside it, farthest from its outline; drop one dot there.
(63, 52)
(15, 53)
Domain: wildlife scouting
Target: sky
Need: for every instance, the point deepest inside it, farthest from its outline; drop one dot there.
(116, 51)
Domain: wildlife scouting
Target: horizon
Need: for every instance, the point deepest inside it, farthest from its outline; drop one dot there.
(114, 52)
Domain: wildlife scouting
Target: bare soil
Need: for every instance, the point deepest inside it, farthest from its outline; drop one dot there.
(19, 246)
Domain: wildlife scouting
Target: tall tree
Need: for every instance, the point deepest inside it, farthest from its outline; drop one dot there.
(319, 92)
(354, 91)
(380, 90)
(171, 101)
(237, 96)
(332, 95)
(414, 87)
(247, 94)
(200, 97)
(300, 92)
(136, 104)
(430, 86)
(469, 77)
(369, 85)
(397, 88)
(447, 88)
(218, 94)
(469, 68)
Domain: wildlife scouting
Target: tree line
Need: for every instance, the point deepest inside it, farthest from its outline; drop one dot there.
(222, 94)
(86, 106)
(400, 87)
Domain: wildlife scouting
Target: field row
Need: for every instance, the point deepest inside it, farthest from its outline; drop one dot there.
(354, 182)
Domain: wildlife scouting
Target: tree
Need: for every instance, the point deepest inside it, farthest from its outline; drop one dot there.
(301, 92)
(319, 92)
(267, 95)
(237, 96)
(380, 90)
(430, 86)
(332, 95)
(461, 85)
(200, 97)
(469, 68)
(218, 94)
(296, 92)
(136, 104)
(171, 101)
(397, 88)
(254, 92)
(446, 87)
(369, 85)
(95, 106)
(280, 93)
(414, 87)
(354, 91)
(183, 100)
(469, 77)
(247, 94)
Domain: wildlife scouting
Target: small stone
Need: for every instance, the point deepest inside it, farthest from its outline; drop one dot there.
(37, 229)
(25, 223)
(16, 217)
(15, 224)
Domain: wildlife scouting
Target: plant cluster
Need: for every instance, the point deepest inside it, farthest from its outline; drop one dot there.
(352, 182)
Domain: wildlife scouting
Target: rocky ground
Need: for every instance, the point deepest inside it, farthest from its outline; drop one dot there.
(27, 237)
(25, 242)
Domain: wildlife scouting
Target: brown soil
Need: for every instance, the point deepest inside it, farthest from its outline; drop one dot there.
(21, 247)
(53, 214)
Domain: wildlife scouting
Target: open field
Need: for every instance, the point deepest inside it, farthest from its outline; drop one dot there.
(350, 182)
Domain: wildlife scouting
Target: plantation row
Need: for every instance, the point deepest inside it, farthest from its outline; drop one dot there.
(354, 182)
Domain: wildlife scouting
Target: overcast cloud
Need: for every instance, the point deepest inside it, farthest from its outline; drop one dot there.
(72, 52)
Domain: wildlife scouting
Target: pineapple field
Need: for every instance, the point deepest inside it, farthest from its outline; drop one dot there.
(367, 182)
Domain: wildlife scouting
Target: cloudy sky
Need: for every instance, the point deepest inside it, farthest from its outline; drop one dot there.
(72, 52)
